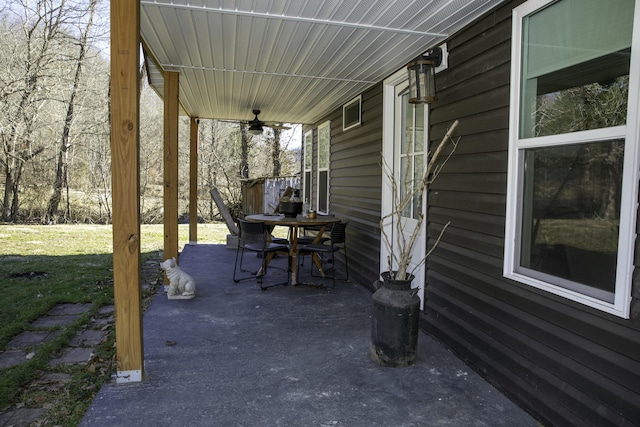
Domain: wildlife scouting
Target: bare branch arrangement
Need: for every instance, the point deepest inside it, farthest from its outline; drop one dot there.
(399, 245)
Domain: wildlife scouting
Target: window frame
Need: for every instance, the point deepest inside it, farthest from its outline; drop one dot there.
(326, 126)
(517, 146)
(354, 103)
(307, 173)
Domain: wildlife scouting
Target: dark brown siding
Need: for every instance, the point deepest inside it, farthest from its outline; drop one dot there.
(355, 182)
(567, 363)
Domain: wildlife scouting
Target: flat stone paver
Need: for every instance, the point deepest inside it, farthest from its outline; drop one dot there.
(11, 358)
(54, 380)
(69, 309)
(30, 339)
(54, 321)
(21, 417)
(72, 356)
(88, 338)
(107, 309)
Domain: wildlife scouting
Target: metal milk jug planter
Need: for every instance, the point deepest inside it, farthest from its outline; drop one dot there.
(395, 323)
(396, 307)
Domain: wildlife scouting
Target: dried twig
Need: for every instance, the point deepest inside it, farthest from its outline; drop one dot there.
(400, 248)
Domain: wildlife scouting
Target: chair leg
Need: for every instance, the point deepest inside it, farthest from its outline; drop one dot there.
(237, 279)
(346, 264)
(264, 272)
(235, 265)
(333, 276)
(333, 267)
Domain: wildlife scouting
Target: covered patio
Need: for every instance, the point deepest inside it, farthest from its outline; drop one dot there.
(288, 356)
(293, 61)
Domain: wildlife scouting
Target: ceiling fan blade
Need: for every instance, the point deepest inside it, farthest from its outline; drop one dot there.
(244, 122)
(276, 125)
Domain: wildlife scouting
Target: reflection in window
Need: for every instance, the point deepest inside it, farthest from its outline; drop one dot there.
(308, 154)
(571, 213)
(323, 167)
(575, 67)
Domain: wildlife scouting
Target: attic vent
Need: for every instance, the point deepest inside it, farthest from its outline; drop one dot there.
(352, 113)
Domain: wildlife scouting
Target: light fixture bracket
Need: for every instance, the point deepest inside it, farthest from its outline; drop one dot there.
(434, 55)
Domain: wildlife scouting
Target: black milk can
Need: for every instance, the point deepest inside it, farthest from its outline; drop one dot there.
(395, 322)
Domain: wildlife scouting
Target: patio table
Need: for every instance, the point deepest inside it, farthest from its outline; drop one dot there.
(294, 224)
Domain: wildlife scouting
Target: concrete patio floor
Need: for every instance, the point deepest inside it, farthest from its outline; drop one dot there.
(287, 356)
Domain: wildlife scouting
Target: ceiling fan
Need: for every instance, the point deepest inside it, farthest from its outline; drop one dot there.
(256, 125)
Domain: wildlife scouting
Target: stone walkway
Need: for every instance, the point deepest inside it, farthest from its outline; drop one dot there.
(79, 350)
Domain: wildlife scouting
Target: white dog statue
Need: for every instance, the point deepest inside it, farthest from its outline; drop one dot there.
(181, 285)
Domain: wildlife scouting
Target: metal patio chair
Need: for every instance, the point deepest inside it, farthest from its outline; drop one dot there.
(253, 238)
(337, 241)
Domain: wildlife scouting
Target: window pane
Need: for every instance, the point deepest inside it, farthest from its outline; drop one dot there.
(307, 185)
(571, 213)
(592, 106)
(323, 147)
(323, 186)
(308, 151)
(406, 125)
(418, 160)
(412, 158)
(575, 67)
(405, 182)
(419, 127)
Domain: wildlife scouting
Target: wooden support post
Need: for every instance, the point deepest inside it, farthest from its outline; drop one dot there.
(170, 166)
(125, 182)
(193, 182)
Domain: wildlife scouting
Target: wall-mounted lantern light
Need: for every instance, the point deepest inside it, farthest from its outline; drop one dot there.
(422, 77)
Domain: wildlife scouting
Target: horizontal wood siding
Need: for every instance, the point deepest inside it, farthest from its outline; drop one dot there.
(566, 363)
(355, 182)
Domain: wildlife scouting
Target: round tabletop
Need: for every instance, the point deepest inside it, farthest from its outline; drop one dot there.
(300, 221)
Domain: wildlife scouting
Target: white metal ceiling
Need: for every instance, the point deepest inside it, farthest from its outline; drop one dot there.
(295, 60)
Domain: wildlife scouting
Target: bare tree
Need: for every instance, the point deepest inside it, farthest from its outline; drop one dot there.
(244, 159)
(276, 152)
(22, 97)
(62, 170)
(220, 158)
(40, 32)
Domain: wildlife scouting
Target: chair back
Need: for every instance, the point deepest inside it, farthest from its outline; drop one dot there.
(339, 232)
(252, 232)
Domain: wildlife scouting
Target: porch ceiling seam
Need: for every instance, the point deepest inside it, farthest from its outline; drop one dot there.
(222, 11)
(172, 67)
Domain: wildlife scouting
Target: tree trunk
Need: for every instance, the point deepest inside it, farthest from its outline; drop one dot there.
(275, 152)
(63, 167)
(244, 161)
(15, 203)
(39, 31)
(6, 203)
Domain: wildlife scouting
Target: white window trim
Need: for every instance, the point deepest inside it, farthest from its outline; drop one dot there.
(629, 206)
(306, 156)
(323, 169)
(388, 129)
(356, 100)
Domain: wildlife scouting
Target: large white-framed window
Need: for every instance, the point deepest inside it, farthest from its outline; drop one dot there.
(307, 163)
(573, 150)
(324, 132)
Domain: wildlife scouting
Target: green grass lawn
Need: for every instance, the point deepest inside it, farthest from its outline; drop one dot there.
(44, 265)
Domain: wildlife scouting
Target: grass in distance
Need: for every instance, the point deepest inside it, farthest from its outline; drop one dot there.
(44, 265)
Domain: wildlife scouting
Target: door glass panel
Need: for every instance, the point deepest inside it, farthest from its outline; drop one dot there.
(412, 153)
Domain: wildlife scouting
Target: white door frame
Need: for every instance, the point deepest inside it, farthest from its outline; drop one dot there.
(388, 156)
